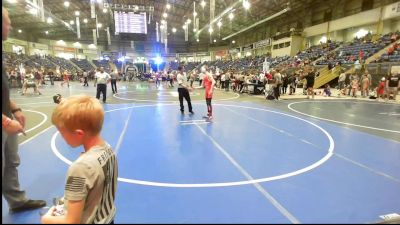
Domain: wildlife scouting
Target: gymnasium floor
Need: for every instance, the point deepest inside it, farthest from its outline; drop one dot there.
(291, 161)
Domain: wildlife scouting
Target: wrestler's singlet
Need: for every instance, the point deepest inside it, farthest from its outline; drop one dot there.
(208, 85)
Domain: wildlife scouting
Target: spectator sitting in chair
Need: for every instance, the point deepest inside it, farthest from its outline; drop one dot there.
(327, 90)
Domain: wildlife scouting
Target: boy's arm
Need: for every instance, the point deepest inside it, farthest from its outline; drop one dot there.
(72, 216)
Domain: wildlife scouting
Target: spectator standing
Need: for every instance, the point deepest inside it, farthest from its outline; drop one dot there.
(393, 85)
(85, 79)
(13, 123)
(114, 78)
(342, 79)
(310, 78)
(51, 76)
(278, 83)
(354, 86)
(365, 86)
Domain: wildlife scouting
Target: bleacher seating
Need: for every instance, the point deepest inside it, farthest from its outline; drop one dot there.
(64, 64)
(102, 63)
(83, 64)
(351, 52)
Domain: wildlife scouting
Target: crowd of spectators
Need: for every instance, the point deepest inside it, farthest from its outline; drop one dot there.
(359, 49)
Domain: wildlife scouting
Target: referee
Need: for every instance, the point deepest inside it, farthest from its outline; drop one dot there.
(102, 78)
(183, 90)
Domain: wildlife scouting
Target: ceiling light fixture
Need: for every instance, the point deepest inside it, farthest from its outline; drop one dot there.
(85, 20)
(168, 6)
(104, 10)
(203, 3)
(246, 4)
(165, 15)
(231, 16)
(71, 22)
(77, 13)
(66, 4)
(173, 30)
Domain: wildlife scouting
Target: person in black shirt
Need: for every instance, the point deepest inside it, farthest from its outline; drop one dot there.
(393, 85)
(310, 77)
(51, 75)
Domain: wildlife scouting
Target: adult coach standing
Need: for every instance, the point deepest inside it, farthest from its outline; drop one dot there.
(102, 78)
(13, 122)
(183, 90)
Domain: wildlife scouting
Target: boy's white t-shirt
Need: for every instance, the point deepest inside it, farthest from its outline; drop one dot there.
(93, 178)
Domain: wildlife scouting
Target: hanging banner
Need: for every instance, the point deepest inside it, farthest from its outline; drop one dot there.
(94, 37)
(234, 50)
(41, 11)
(97, 28)
(221, 53)
(212, 10)
(78, 28)
(247, 48)
(158, 36)
(165, 31)
(187, 32)
(93, 9)
(166, 45)
(108, 36)
(162, 33)
(262, 43)
(194, 15)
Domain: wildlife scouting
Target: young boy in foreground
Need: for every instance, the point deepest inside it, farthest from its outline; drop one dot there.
(91, 182)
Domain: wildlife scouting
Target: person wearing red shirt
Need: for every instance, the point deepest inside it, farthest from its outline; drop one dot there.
(361, 55)
(208, 84)
(380, 90)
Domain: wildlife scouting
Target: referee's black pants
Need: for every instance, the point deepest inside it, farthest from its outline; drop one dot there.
(103, 89)
(184, 93)
(114, 85)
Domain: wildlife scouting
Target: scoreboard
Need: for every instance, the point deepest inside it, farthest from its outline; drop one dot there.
(130, 22)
